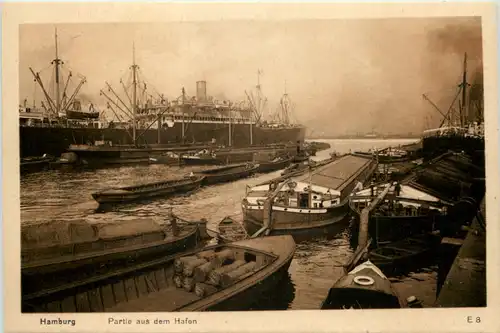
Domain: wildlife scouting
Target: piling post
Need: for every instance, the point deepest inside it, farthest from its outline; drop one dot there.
(267, 224)
(365, 216)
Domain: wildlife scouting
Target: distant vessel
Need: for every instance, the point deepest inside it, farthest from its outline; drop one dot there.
(372, 135)
(62, 120)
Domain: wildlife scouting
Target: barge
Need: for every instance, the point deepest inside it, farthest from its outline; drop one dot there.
(242, 272)
(306, 205)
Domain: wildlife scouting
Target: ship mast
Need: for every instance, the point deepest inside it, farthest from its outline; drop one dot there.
(285, 108)
(259, 96)
(134, 93)
(449, 115)
(57, 61)
(464, 93)
(59, 104)
(256, 103)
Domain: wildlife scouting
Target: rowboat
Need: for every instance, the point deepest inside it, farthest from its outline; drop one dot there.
(405, 253)
(220, 277)
(277, 164)
(35, 163)
(229, 230)
(365, 287)
(228, 173)
(58, 252)
(147, 191)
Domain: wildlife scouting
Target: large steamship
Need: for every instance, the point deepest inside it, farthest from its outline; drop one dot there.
(462, 126)
(142, 119)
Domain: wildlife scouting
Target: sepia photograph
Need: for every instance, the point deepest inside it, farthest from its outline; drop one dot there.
(251, 165)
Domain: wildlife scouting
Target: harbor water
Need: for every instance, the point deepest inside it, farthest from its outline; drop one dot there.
(65, 195)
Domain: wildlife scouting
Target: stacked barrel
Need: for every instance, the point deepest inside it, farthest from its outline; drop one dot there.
(209, 271)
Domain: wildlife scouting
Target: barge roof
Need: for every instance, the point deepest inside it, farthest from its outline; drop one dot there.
(337, 175)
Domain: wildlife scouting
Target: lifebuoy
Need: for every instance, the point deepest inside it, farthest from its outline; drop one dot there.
(364, 280)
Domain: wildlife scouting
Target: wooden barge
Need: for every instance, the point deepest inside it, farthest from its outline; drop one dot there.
(274, 165)
(203, 157)
(387, 155)
(58, 252)
(220, 277)
(306, 205)
(404, 211)
(228, 173)
(406, 254)
(147, 191)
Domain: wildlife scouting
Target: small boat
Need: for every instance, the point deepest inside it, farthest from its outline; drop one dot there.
(276, 164)
(35, 163)
(296, 168)
(225, 277)
(365, 287)
(405, 253)
(147, 191)
(230, 230)
(168, 159)
(201, 158)
(387, 155)
(58, 252)
(228, 173)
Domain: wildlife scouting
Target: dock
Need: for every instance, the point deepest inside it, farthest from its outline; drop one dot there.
(465, 284)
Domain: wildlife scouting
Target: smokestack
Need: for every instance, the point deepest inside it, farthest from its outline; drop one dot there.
(201, 91)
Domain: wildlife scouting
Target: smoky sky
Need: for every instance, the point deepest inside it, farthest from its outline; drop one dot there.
(344, 76)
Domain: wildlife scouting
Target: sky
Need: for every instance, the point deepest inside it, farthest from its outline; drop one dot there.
(344, 76)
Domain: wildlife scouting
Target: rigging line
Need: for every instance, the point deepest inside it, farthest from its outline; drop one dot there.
(148, 82)
(440, 90)
(44, 69)
(72, 70)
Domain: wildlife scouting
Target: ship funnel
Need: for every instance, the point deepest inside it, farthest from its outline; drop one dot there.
(201, 91)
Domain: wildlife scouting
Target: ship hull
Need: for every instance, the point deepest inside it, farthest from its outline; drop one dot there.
(433, 146)
(36, 141)
(302, 226)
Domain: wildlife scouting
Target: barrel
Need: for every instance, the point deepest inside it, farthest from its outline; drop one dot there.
(190, 265)
(231, 277)
(188, 283)
(201, 272)
(223, 256)
(179, 263)
(203, 289)
(207, 255)
(178, 281)
(214, 276)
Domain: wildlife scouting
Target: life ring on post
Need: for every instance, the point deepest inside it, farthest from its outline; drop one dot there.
(364, 280)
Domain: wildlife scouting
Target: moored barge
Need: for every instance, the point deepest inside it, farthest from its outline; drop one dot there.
(308, 204)
(241, 273)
